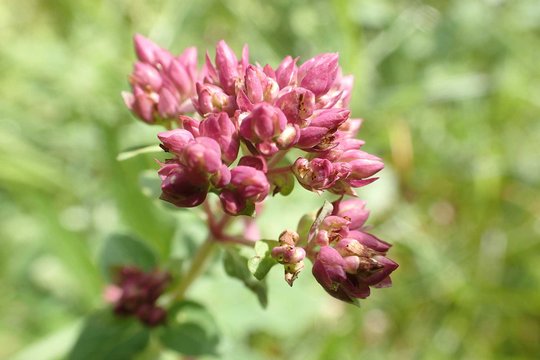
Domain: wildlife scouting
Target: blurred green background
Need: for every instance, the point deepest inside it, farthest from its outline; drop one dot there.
(450, 91)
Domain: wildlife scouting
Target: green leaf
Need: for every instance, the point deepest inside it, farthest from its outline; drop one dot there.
(262, 262)
(236, 266)
(325, 210)
(283, 182)
(120, 250)
(190, 330)
(304, 226)
(150, 184)
(138, 150)
(105, 336)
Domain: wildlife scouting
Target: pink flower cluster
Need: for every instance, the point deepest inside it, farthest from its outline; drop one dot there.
(232, 123)
(263, 111)
(349, 259)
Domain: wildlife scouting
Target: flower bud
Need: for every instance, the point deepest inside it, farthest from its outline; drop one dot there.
(221, 128)
(257, 162)
(202, 155)
(250, 183)
(262, 127)
(182, 187)
(253, 85)
(350, 246)
(190, 124)
(328, 269)
(317, 174)
(286, 72)
(330, 119)
(146, 76)
(363, 165)
(318, 73)
(145, 49)
(188, 59)
(222, 177)
(297, 104)
(289, 237)
(175, 140)
(379, 271)
(289, 137)
(181, 78)
(227, 67)
(212, 99)
(232, 202)
(352, 263)
(352, 209)
(334, 223)
(349, 129)
(292, 271)
(288, 254)
(259, 87)
(369, 240)
(141, 104)
(168, 103)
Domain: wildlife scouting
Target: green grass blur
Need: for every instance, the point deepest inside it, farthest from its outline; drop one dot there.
(450, 91)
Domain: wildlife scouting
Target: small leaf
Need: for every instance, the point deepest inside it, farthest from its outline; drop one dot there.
(236, 265)
(262, 262)
(190, 330)
(105, 336)
(304, 226)
(325, 210)
(249, 210)
(138, 150)
(283, 183)
(120, 250)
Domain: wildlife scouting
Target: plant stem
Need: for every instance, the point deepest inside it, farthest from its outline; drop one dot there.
(276, 159)
(279, 170)
(195, 268)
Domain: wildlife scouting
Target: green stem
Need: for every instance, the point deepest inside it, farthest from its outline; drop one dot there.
(195, 269)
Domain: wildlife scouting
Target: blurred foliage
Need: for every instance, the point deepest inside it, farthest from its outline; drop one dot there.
(449, 91)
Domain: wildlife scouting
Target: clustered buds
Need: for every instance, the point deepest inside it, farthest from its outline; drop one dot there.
(349, 259)
(135, 293)
(231, 125)
(290, 255)
(162, 84)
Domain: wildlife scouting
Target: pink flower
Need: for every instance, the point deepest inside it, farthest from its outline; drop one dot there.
(221, 128)
(181, 187)
(247, 187)
(350, 260)
(318, 73)
(262, 128)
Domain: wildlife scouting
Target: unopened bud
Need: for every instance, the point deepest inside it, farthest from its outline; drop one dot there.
(288, 237)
